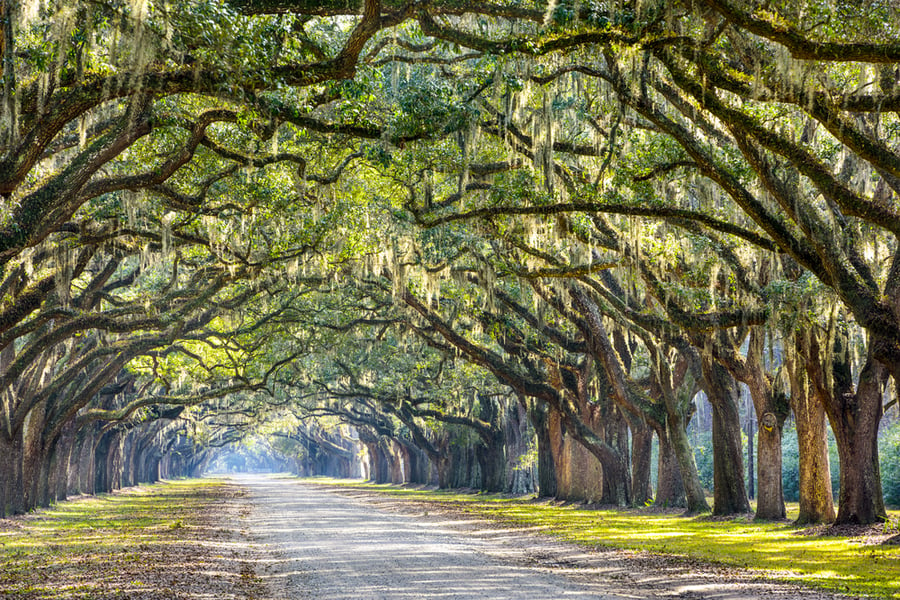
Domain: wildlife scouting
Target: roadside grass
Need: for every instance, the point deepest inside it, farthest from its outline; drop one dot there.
(146, 542)
(853, 565)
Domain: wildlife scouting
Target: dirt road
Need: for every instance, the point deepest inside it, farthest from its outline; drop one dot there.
(323, 544)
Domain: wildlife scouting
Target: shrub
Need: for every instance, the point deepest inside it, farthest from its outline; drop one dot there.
(790, 464)
(703, 456)
(889, 458)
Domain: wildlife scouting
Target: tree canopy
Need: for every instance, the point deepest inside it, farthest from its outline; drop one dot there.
(463, 228)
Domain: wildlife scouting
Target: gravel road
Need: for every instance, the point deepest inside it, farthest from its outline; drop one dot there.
(318, 543)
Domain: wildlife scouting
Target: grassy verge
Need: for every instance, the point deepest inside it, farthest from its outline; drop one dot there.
(854, 565)
(159, 541)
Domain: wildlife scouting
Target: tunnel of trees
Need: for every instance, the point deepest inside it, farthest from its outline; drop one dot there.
(615, 251)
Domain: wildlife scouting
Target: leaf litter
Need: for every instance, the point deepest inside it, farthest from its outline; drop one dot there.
(170, 541)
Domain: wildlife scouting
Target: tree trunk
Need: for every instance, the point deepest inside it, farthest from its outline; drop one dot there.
(148, 466)
(641, 445)
(12, 487)
(418, 467)
(492, 460)
(539, 415)
(676, 434)
(772, 409)
(101, 472)
(47, 480)
(687, 466)
(855, 427)
(669, 486)
(380, 471)
(54, 463)
(519, 443)
(617, 484)
(83, 459)
(770, 498)
(444, 472)
(751, 460)
(815, 492)
(491, 452)
(816, 496)
(579, 473)
(74, 466)
(854, 415)
(32, 455)
(130, 447)
(394, 461)
(464, 470)
(153, 473)
(617, 476)
(730, 493)
(401, 470)
(116, 462)
(62, 460)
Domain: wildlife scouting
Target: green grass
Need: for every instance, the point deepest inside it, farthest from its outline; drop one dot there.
(848, 565)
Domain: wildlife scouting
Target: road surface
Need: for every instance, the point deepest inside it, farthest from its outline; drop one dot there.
(310, 542)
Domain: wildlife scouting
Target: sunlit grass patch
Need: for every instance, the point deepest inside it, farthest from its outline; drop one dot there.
(850, 565)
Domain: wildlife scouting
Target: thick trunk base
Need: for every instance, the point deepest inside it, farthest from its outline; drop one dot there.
(770, 499)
